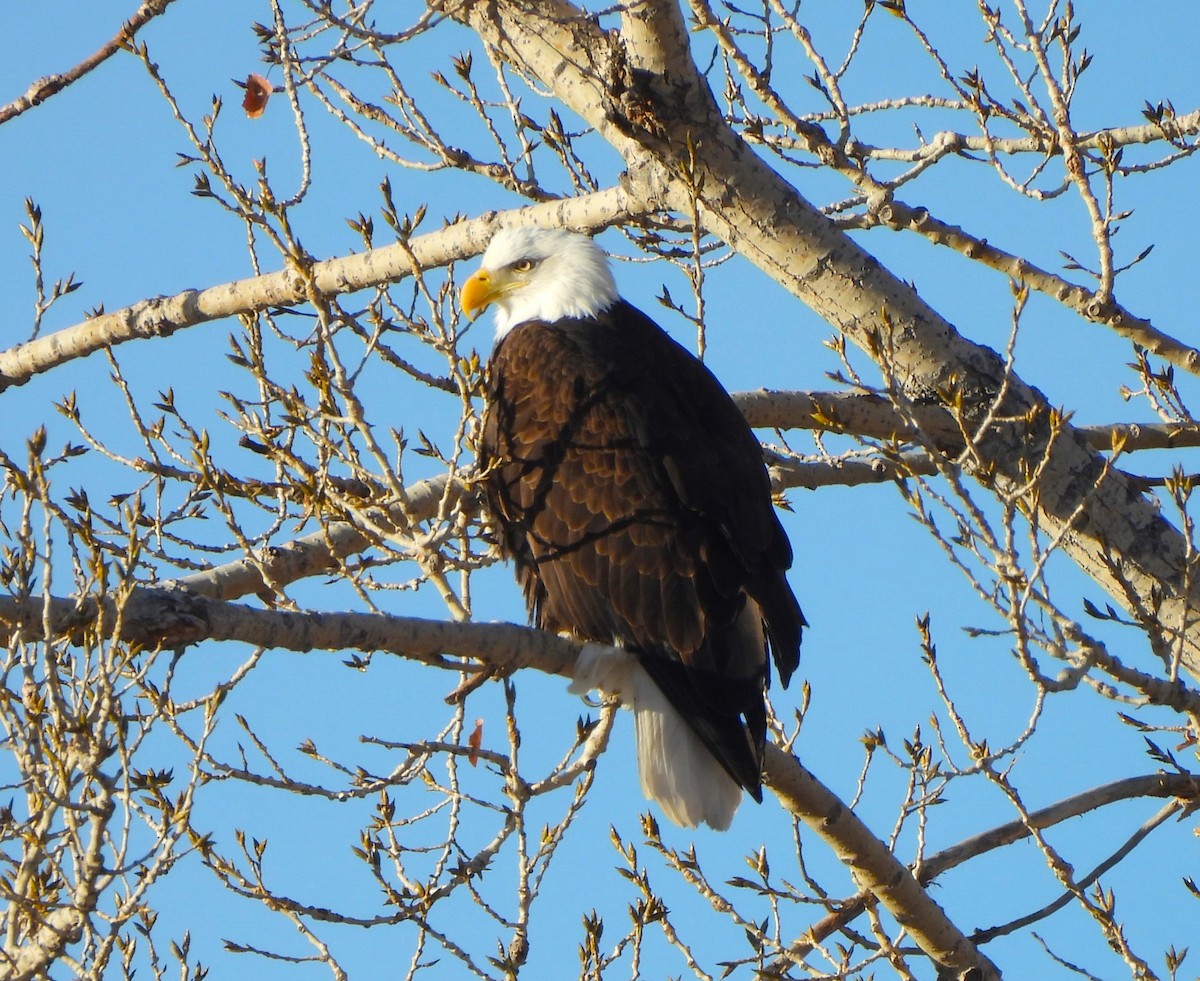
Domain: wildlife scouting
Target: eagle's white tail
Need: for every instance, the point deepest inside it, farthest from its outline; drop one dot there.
(676, 769)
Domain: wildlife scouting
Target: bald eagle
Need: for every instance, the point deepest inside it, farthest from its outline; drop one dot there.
(632, 498)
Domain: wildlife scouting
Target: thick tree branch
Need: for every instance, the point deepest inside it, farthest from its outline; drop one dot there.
(59, 929)
(171, 617)
(870, 416)
(163, 316)
(787, 474)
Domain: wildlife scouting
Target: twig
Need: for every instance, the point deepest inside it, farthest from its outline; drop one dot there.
(1168, 810)
(1179, 786)
(50, 85)
(889, 881)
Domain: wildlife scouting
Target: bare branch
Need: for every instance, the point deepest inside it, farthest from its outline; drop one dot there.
(1100, 516)
(163, 316)
(875, 866)
(1183, 787)
(51, 85)
(503, 647)
(1091, 305)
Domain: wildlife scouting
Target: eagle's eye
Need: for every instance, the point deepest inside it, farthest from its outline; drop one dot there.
(523, 265)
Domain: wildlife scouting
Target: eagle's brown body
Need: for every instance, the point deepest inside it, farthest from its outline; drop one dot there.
(633, 499)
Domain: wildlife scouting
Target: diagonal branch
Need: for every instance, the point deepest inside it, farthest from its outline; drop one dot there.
(44, 88)
(1089, 304)
(1180, 786)
(862, 415)
(877, 870)
(320, 551)
(163, 316)
(1170, 809)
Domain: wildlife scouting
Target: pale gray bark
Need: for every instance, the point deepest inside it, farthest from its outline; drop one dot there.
(163, 316)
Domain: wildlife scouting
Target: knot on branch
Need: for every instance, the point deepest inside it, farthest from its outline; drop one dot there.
(170, 616)
(894, 214)
(1099, 308)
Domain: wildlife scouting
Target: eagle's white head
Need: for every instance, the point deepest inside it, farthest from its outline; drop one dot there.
(539, 274)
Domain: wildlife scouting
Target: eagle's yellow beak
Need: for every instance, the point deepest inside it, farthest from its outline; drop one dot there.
(478, 292)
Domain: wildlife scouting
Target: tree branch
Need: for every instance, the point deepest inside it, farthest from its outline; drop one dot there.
(874, 866)
(1089, 304)
(44, 88)
(321, 551)
(875, 417)
(1182, 786)
(173, 618)
(163, 316)
(1164, 813)
(947, 141)
(862, 415)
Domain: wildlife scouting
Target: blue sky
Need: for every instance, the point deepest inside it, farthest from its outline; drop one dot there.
(100, 161)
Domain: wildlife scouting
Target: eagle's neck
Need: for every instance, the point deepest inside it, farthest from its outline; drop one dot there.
(549, 313)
